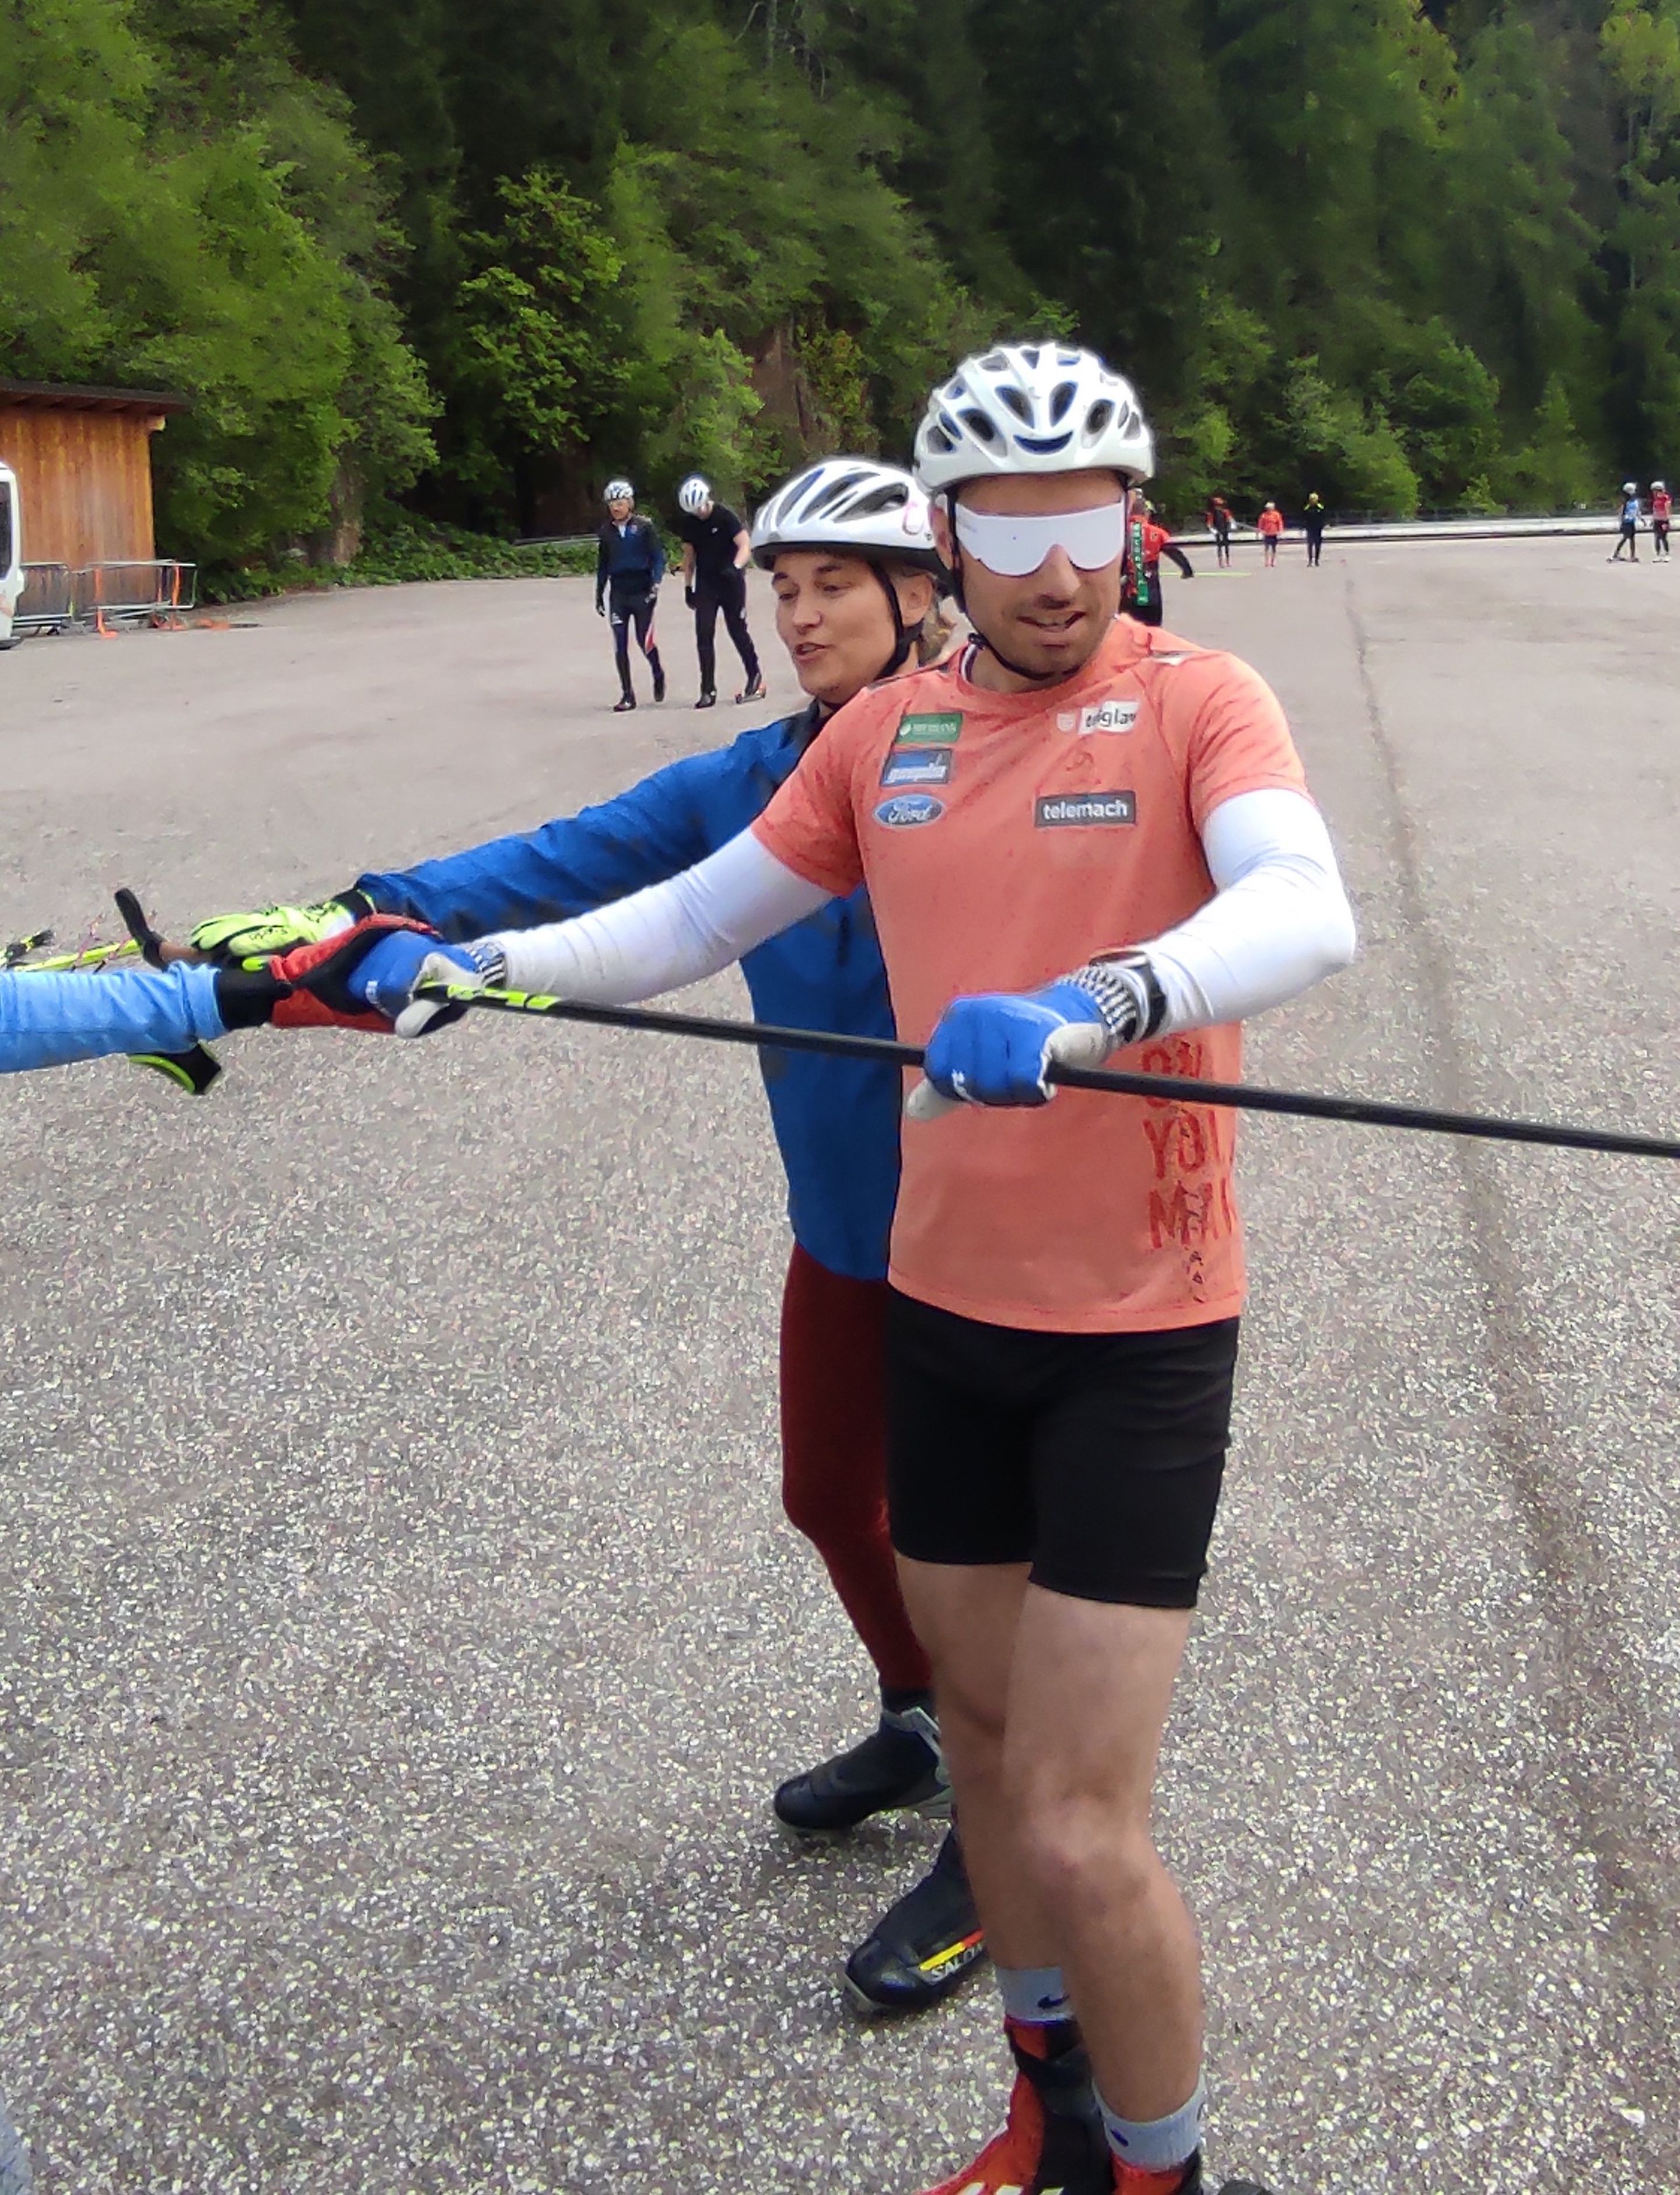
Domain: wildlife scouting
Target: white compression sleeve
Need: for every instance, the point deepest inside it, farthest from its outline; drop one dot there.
(670, 934)
(1279, 923)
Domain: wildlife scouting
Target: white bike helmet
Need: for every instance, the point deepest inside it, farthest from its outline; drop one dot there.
(694, 495)
(615, 488)
(864, 509)
(1032, 408)
(1630, 487)
(855, 503)
(1659, 487)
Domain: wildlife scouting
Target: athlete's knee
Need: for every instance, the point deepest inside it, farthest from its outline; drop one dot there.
(1078, 1846)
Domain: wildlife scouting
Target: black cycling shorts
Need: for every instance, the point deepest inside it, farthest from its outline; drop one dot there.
(1095, 1458)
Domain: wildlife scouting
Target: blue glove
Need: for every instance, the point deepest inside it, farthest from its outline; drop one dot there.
(385, 977)
(997, 1049)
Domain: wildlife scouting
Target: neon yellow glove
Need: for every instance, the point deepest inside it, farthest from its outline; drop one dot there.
(245, 941)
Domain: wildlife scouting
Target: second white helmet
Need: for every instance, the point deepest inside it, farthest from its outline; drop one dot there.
(1032, 408)
(694, 495)
(853, 504)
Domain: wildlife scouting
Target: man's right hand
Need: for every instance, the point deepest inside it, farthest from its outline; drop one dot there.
(245, 941)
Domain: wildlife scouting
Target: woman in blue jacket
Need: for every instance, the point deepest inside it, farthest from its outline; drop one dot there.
(850, 547)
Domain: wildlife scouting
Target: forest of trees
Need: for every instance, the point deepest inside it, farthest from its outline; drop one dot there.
(473, 259)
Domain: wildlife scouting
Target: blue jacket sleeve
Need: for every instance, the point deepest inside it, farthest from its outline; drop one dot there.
(51, 1019)
(659, 827)
(656, 542)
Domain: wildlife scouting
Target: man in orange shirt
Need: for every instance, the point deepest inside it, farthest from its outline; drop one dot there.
(1080, 837)
(1270, 526)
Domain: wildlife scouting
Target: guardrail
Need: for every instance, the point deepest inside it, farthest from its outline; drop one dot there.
(1343, 530)
(127, 590)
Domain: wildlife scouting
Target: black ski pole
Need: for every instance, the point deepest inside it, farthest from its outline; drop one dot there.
(1187, 1090)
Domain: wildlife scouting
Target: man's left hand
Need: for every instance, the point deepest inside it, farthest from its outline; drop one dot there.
(998, 1048)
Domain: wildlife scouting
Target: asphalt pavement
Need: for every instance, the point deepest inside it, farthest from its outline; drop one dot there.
(399, 1636)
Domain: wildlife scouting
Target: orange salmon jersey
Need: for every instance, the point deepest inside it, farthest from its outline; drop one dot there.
(1006, 839)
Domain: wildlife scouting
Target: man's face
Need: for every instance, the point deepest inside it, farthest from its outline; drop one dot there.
(1051, 621)
(619, 509)
(706, 509)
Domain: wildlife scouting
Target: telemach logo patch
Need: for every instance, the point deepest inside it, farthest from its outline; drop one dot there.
(1064, 808)
(932, 767)
(1109, 717)
(939, 731)
(907, 810)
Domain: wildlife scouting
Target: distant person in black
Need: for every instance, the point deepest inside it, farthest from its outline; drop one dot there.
(629, 566)
(1314, 518)
(1219, 526)
(717, 548)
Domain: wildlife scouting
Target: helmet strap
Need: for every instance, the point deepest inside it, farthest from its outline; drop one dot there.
(904, 639)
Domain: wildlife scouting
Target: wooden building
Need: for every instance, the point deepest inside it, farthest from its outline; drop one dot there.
(84, 461)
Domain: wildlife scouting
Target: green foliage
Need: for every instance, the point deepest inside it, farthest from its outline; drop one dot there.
(1353, 448)
(140, 244)
(540, 345)
(1409, 256)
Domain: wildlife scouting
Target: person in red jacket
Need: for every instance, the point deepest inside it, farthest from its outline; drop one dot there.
(1662, 513)
(1147, 542)
(1270, 526)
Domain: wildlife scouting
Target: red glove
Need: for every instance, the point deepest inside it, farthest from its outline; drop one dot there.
(317, 976)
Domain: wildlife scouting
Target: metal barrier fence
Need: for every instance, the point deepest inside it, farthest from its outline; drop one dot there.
(137, 591)
(48, 603)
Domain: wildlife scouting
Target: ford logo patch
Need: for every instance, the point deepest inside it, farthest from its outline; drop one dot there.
(907, 810)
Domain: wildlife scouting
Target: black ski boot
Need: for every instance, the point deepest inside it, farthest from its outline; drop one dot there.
(899, 1765)
(626, 701)
(921, 1948)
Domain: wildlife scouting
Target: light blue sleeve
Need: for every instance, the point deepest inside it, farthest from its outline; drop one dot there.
(51, 1019)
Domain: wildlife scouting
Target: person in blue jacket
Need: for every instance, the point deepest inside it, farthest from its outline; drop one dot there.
(630, 563)
(849, 546)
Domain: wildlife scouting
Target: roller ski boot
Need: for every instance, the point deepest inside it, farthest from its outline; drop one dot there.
(920, 1948)
(1053, 2138)
(898, 1766)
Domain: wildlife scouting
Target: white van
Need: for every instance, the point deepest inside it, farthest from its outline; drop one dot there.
(11, 554)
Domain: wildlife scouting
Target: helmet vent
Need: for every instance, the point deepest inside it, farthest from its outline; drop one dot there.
(1017, 404)
(1061, 396)
(1098, 417)
(980, 427)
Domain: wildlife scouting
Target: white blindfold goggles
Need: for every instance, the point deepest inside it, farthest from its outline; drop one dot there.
(1012, 546)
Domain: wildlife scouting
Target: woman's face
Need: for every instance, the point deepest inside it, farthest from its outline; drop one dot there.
(833, 620)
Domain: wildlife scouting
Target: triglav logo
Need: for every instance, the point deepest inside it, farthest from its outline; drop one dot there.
(1109, 717)
(905, 809)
